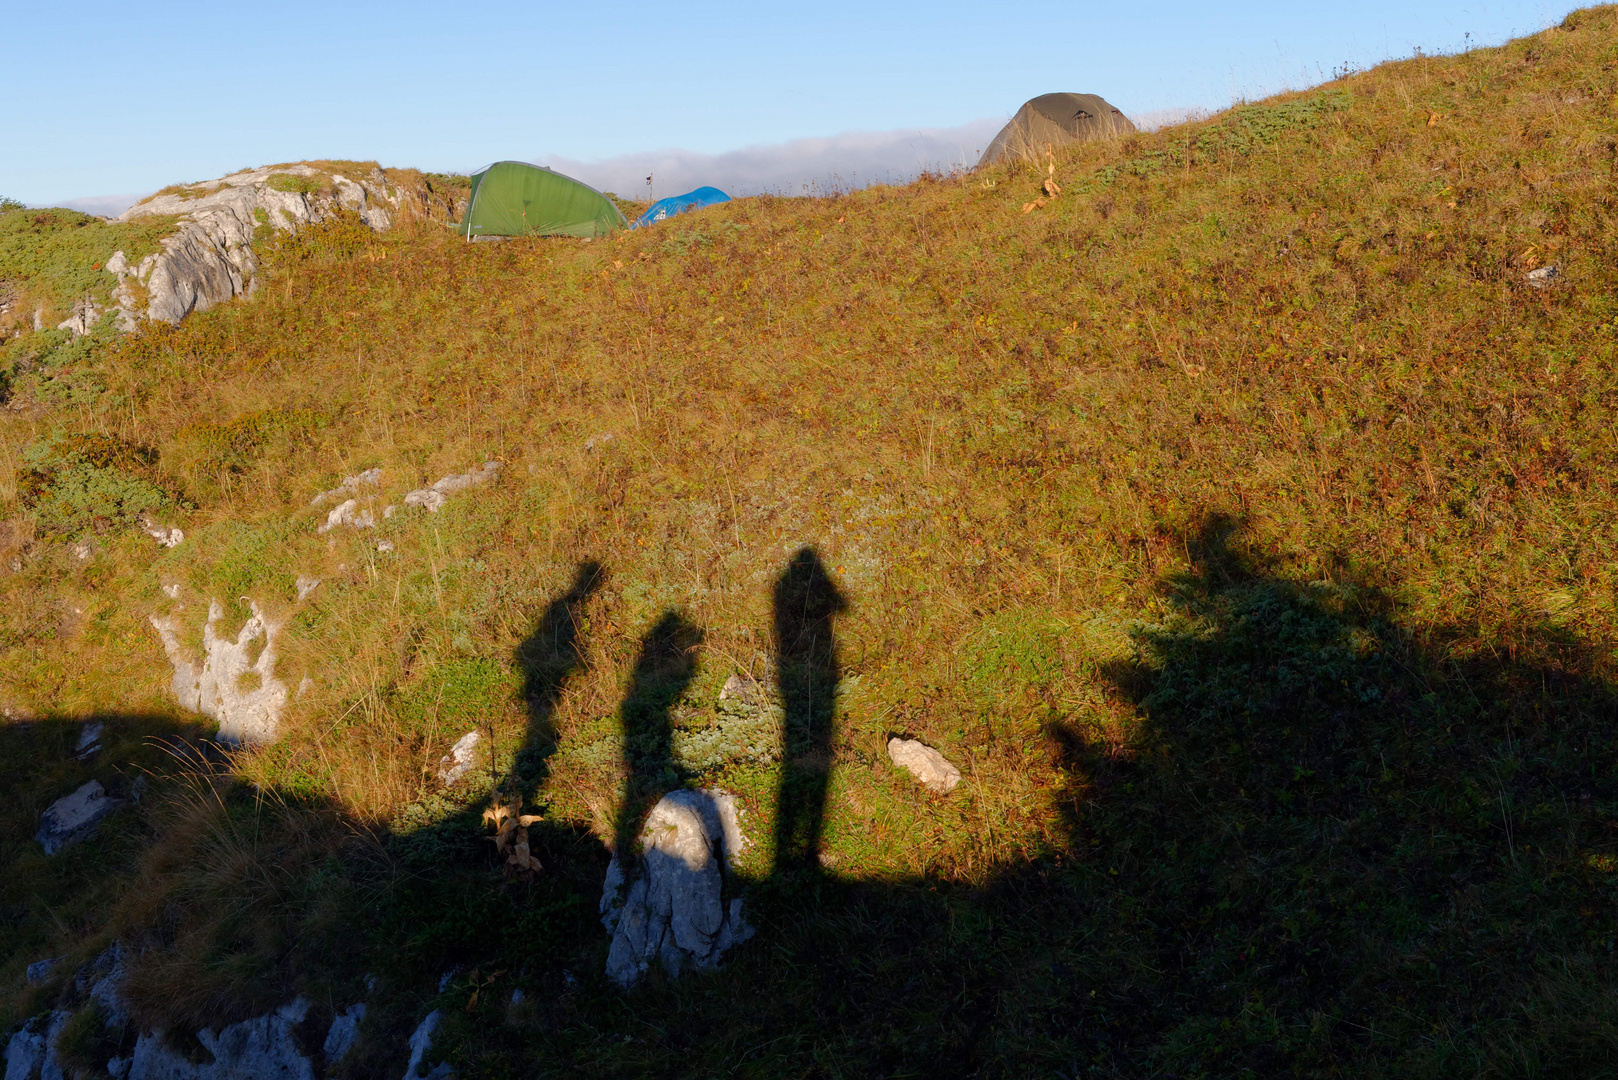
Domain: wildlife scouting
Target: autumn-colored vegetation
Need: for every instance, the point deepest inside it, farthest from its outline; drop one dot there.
(1239, 519)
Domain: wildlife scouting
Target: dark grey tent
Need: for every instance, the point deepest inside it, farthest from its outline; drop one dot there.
(1055, 120)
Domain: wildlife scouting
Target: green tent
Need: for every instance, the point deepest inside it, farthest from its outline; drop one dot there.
(514, 198)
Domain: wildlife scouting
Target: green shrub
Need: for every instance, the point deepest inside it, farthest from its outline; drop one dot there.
(84, 481)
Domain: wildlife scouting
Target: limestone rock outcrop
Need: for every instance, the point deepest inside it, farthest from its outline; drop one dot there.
(421, 1044)
(85, 315)
(31, 1050)
(262, 1048)
(230, 684)
(256, 1049)
(210, 258)
(672, 908)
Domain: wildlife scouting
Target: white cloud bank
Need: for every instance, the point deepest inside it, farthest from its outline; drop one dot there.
(800, 167)
(820, 166)
(105, 205)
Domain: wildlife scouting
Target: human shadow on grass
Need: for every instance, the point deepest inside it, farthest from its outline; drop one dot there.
(807, 670)
(1381, 833)
(1299, 836)
(547, 659)
(664, 668)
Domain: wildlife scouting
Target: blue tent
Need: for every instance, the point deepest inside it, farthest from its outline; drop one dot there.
(679, 204)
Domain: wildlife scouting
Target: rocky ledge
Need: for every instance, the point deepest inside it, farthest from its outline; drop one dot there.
(210, 257)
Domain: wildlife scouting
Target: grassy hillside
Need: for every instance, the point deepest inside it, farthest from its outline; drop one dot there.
(1239, 520)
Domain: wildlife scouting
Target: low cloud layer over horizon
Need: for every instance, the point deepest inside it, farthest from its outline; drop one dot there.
(814, 166)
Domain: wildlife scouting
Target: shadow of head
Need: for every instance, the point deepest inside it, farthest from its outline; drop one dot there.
(665, 666)
(806, 599)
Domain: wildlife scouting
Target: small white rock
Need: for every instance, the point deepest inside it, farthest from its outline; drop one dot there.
(384, 546)
(927, 765)
(348, 513)
(89, 739)
(460, 759)
(74, 817)
(305, 586)
(1544, 276)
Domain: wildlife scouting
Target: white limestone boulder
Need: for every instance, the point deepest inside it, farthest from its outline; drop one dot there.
(460, 760)
(673, 909)
(430, 499)
(344, 1033)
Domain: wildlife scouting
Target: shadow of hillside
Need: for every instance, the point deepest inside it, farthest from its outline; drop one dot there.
(1332, 846)
(48, 902)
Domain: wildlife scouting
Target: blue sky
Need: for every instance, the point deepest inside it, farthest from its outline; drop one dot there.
(112, 98)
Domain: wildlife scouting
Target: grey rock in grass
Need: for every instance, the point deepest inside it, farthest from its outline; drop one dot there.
(73, 817)
(1544, 277)
(426, 498)
(672, 910)
(263, 1048)
(305, 586)
(89, 740)
(349, 513)
(107, 987)
(460, 760)
(40, 970)
(345, 1031)
(350, 486)
(421, 1044)
(229, 684)
(163, 534)
(430, 499)
(927, 765)
(85, 315)
(210, 258)
(31, 1051)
